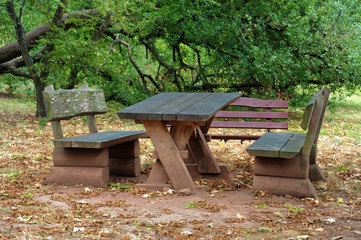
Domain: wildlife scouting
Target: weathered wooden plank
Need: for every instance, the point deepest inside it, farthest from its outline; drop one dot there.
(184, 154)
(65, 104)
(293, 146)
(259, 103)
(178, 106)
(207, 107)
(234, 137)
(251, 114)
(92, 125)
(57, 131)
(172, 112)
(166, 111)
(313, 155)
(313, 125)
(202, 155)
(253, 125)
(141, 110)
(100, 139)
(269, 145)
(169, 155)
(181, 134)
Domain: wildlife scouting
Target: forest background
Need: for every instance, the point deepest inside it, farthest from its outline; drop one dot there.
(135, 49)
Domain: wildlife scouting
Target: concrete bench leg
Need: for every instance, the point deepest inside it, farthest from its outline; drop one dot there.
(315, 173)
(124, 159)
(91, 167)
(73, 166)
(281, 186)
(283, 176)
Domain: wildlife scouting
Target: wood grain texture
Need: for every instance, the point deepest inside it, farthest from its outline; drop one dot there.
(293, 146)
(179, 106)
(100, 139)
(313, 125)
(202, 155)
(251, 125)
(169, 155)
(259, 103)
(269, 145)
(57, 130)
(92, 125)
(251, 114)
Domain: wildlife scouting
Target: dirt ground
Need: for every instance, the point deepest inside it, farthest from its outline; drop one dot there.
(80, 212)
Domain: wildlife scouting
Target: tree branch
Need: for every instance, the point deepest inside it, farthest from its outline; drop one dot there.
(12, 50)
(103, 28)
(141, 74)
(19, 62)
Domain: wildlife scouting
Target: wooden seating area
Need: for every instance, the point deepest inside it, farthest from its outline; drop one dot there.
(250, 113)
(88, 159)
(285, 163)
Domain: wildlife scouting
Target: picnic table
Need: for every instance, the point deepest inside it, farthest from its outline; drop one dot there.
(173, 122)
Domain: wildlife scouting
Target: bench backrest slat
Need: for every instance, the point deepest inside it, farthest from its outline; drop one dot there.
(314, 121)
(65, 104)
(313, 117)
(250, 125)
(259, 103)
(253, 114)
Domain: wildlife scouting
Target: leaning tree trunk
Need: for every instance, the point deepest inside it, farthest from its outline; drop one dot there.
(20, 34)
(24, 49)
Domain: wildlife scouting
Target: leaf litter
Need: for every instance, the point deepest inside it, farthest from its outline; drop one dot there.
(224, 209)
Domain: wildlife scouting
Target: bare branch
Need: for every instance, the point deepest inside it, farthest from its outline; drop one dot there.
(141, 74)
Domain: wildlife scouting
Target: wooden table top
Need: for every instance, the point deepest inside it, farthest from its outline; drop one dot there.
(179, 106)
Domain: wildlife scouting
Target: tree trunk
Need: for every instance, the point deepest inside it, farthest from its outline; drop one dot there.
(40, 106)
(20, 34)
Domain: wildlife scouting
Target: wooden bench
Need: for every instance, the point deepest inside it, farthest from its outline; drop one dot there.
(88, 159)
(250, 113)
(286, 162)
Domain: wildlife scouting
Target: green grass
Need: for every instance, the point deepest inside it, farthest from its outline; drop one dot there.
(342, 119)
(13, 105)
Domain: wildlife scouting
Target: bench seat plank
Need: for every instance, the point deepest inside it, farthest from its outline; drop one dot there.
(253, 125)
(293, 146)
(100, 139)
(269, 145)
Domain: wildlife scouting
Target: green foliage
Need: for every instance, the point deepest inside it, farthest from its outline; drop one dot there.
(269, 49)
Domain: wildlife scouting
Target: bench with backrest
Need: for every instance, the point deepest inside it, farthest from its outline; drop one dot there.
(88, 159)
(283, 161)
(250, 113)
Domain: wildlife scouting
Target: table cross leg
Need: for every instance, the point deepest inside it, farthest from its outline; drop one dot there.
(205, 161)
(171, 164)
